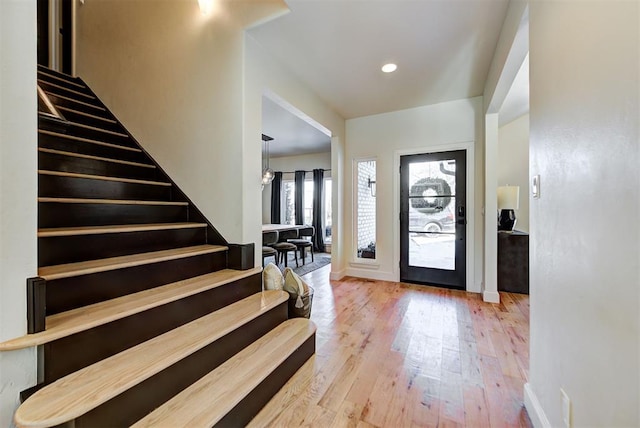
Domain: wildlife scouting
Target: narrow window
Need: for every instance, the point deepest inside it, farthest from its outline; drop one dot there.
(365, 180)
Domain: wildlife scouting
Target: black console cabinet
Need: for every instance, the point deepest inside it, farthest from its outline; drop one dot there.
(513, 262)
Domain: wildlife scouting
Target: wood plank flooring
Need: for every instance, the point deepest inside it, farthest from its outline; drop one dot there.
(400, 355)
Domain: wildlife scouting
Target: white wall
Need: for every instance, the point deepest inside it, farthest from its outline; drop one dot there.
(307, 162)
(381, 137)
(585, 237)
(513, 164)
(18, 194)
(264, 75)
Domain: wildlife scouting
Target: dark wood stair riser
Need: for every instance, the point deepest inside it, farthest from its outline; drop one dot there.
(53, 214)
(70, 249)
(45, 73)
(69, 293)
(65, 163)
(77, 104)
(74, 352)
(250, 405)
(55, 186)
(90, 121)
(67, 90)
(97, 134)
(138, 401)
(87, 148)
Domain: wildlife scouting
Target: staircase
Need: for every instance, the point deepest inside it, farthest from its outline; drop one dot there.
(142, 312)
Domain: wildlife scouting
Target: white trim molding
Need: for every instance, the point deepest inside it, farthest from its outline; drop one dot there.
(491, 296)
(337, 275)
(534, 408)
(371, 274)
(469, 147)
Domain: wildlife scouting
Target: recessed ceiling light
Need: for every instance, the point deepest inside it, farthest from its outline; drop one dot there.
(389, 68)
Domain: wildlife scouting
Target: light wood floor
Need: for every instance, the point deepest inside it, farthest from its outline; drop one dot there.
(398, 355)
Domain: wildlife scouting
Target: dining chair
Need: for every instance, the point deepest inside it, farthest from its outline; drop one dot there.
(283, 247)
(304, 241)
(268, 239)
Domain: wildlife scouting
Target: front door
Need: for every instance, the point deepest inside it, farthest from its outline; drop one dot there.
(433, 219)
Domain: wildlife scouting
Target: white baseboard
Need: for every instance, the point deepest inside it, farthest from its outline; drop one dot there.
(491, 296)
(337, 275)
(371, 274)
(536, 414)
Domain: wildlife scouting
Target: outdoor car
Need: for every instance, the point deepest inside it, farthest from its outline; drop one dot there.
(442, 221)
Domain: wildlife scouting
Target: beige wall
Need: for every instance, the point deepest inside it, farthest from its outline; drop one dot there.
(585, 237)
(18, 194)
(384, 137)
(513, 164)
(175, 78)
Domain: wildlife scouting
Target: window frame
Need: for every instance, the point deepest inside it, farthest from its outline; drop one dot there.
(355, 260)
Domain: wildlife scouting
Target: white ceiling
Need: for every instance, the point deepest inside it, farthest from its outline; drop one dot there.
(291, 134)
(443, 49)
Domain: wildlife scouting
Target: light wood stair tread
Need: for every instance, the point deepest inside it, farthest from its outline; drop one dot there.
(124, 228)
(85, 389)
(99, 158)
(109, 201)
(82, 113)
(102, 177)
(81, 319)
(209, 399)
(89, 140)
(68, 270)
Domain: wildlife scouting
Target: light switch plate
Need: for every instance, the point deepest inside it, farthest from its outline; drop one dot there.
(535, 186)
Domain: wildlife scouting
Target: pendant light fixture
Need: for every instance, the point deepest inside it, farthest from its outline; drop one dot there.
(267, 173)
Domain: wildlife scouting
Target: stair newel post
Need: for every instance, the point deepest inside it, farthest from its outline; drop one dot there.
(36, 304)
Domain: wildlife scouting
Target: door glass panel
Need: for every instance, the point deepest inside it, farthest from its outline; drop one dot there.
(431, 214)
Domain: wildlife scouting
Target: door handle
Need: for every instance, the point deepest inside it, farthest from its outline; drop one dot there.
(461, 211)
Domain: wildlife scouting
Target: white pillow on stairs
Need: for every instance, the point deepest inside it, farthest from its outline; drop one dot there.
(272, 278)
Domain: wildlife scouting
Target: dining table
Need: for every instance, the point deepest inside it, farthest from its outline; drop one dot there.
(281, 227)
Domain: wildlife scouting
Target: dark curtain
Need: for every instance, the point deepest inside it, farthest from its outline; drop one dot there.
(318, 209)
(299, 198)
(276, 192)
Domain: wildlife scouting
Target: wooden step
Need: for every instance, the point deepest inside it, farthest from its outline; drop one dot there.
(82, 113)
(88, 186)
(112, 263)
(126, 228)
(88, 388)
(207, 401)
(91, 157)
(90, 141)
(67, 323)
(109, 201)
(62, 97)
(93, 128)
(49, 73)
(103, 178)
(44, 82)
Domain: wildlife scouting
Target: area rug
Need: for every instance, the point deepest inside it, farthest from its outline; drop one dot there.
(319, 260)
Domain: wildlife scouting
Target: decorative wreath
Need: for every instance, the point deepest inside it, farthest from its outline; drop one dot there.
(430, 189)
